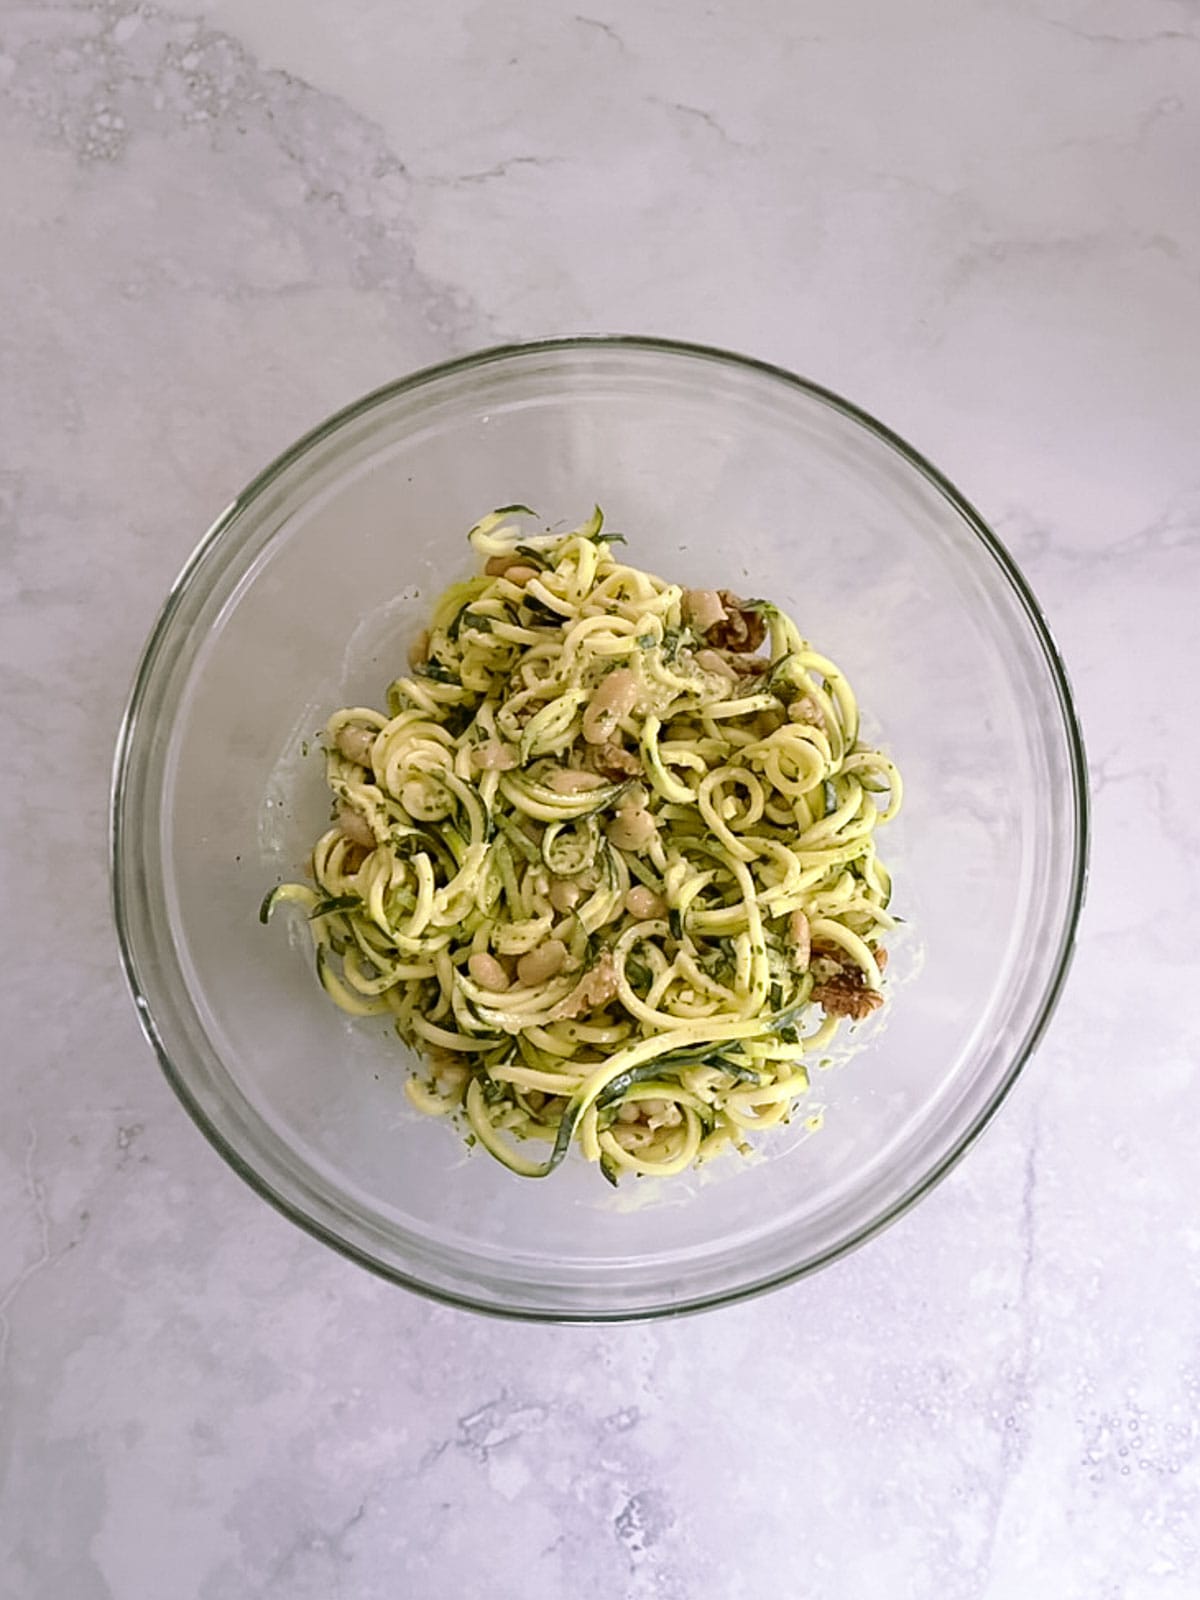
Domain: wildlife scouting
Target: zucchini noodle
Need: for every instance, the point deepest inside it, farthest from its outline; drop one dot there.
(607, 861)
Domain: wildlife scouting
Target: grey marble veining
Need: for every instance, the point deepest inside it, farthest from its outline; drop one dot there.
(223, 219)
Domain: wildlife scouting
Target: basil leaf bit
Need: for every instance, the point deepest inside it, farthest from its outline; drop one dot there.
(539, 609)
(331, 903)
(437, 672)
(674, 640)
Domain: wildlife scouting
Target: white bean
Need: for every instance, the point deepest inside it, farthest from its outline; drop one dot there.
(632, 829)
(426, 799)
(565, 894)
(542, 963)
(643, 902)
(801, 938)
(451, 1080)
(614, 698)
(356, 827)
(355, 743)
(703, 607)
(569, 780)
(487, 971)
(712, 662)
(494, 756)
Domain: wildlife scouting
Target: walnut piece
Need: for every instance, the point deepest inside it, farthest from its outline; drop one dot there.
(807, 710)
(596, 988)
(741, 630)
(614, 762)
(847, 996)
(843, 990)
(355, 826)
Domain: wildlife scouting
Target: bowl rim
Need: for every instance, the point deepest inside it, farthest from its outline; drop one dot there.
(126, 748)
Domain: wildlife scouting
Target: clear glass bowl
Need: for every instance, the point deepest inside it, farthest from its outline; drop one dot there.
(723, 472)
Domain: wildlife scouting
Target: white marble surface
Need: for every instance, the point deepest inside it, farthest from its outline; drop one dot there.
(223, 218)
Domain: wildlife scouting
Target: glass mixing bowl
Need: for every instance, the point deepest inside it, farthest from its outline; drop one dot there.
(723, 472)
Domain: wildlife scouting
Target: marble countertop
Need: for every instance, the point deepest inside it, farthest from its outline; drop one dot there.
(224, 218)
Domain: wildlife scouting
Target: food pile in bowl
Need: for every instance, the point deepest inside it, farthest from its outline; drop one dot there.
(608, 859)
